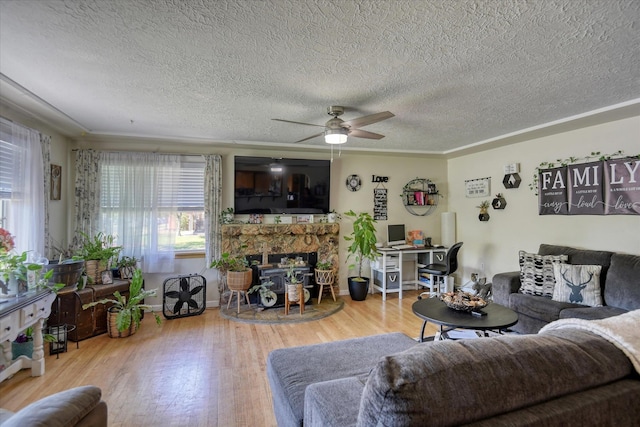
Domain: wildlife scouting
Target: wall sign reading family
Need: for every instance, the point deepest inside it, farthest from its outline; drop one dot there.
(609, 187)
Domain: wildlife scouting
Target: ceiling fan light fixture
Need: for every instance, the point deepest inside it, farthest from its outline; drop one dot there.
(335, 136)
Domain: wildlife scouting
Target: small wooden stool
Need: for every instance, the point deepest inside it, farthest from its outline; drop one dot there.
(299, 301)
(246, 295)
(325, 278)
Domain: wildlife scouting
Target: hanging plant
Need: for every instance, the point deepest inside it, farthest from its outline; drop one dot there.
(484, 213)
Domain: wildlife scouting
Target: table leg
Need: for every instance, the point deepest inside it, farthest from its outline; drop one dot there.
(37, 359)
(424, 325)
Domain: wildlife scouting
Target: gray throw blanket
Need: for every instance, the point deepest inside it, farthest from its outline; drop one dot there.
(623, 331)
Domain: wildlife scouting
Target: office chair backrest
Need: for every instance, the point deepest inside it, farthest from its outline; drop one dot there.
(452, 258)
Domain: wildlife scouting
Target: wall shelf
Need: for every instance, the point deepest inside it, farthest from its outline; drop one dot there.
(420, 196)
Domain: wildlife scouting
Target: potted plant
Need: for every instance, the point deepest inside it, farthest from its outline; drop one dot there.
(235, 271)
(126, 266)
(324, 275)
(295, 288)
(226, 216)
(97, 252)
(23, 344)
(125, 314)
(333, 216)
(362, 246)
(484, 214)
(268, 298)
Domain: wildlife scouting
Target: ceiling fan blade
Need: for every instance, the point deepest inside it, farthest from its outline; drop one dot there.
(359, 133)
(310, 137)
(370, 119)
(297, 123)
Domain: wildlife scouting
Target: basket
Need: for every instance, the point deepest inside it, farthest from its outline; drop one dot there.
(67, 272)
(239, 280)
(324, 277)
(463, 301)
(94, 269)
(112, 327)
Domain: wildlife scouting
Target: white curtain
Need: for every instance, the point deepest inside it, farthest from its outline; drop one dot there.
(45, 145)
(27, 208)
(137, 205)
(212, 205)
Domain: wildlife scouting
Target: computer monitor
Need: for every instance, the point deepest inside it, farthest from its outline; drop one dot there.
(396, 235)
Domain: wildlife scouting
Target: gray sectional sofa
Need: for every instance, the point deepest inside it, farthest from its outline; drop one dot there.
(619, 280)
(559, 377)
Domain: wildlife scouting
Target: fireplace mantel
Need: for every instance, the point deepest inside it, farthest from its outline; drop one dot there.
(248, 239)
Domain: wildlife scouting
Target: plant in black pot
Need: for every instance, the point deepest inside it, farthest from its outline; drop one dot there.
(362, 246)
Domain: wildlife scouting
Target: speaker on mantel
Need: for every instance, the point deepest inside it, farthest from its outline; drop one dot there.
(448, 229)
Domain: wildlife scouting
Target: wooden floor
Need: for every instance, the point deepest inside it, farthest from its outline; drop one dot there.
(199, 371)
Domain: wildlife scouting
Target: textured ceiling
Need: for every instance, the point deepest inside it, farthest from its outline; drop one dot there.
(454, 73)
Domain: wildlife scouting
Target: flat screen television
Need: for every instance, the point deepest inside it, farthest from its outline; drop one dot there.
(265, 185)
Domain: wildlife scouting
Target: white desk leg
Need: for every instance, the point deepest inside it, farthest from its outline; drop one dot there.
(401, 276)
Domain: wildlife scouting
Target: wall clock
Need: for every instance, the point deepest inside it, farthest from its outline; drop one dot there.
(353, 182)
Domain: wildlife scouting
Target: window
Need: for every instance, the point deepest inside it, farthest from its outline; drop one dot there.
(22, 194)
(153, 204)
(190, 206)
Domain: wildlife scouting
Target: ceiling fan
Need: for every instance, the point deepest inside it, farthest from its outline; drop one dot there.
(336, 129)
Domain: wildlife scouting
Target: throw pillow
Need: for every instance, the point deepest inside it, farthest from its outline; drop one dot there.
(578, 284)
(536, 273)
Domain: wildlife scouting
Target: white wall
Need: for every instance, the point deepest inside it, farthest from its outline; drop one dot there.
(496, 242)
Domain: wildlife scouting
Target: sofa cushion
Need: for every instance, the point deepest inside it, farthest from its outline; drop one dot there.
(455, 382)
(622, 288)
(581, 256)
(579, 284)
(541, 308)
(291, 370)
(536, 273)
(591, 313)
(66, 408)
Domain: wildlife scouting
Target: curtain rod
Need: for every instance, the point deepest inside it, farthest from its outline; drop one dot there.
(154, 152)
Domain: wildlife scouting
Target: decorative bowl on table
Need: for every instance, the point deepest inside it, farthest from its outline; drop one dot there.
(463, 301)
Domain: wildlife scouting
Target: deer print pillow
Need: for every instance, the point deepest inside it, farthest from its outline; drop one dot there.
(578, 284)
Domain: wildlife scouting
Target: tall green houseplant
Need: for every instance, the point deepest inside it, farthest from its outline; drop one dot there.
(362, 246)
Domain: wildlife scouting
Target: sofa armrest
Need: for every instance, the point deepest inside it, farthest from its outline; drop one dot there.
(76, 406)
(503, 285)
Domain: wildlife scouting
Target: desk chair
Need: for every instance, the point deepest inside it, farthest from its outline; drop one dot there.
(438, 272)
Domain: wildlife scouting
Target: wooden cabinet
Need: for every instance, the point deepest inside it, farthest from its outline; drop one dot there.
(90, 322)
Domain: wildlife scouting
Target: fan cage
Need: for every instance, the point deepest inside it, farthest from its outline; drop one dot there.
(184, 296)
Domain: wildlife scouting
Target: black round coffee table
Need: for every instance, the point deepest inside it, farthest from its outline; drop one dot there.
(433, 310)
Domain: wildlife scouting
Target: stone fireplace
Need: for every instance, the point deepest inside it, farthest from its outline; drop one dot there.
(248, 239)
(311, 241)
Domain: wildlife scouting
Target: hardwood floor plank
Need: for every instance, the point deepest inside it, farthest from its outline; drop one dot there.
(199, 371)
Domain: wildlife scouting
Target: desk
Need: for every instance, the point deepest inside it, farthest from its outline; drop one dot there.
(16, 315)
(384, 266)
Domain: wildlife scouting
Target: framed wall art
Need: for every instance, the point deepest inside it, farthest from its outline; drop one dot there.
(56, 182)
